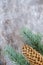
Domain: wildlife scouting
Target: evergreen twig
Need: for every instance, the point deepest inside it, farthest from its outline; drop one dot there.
(32, 39)
(15, 56)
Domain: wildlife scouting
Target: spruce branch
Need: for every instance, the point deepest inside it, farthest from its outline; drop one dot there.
(32, 39)
(15, 56)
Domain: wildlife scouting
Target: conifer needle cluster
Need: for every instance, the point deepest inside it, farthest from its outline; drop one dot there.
(31, 39)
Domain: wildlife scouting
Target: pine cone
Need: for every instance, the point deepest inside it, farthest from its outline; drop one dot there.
(32, 55)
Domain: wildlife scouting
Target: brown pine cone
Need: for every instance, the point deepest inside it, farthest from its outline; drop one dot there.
(32, 55)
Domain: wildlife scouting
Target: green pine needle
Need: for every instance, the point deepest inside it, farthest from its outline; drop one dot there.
(32, 39)
(15, 56)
